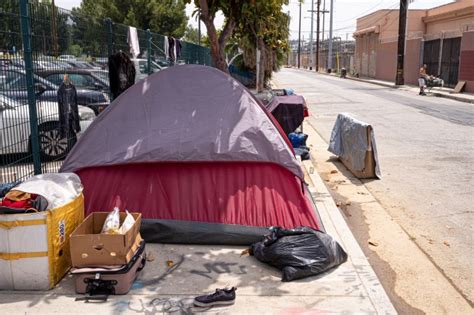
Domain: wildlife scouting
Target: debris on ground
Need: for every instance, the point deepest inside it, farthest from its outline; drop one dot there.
(333, 172)
(373, 243)
(150, 256)
(447, 243)
(169, 263)
(245, 252)
(348, 203)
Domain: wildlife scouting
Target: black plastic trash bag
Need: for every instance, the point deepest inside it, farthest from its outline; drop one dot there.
(299, 252)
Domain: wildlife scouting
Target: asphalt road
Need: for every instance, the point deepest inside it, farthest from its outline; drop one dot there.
(426, 154)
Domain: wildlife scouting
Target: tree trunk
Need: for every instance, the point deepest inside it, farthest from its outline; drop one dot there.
(217, 42)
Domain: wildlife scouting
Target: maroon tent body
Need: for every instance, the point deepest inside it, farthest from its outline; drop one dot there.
(194, 152)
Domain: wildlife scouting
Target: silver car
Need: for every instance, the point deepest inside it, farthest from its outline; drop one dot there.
(15, 131)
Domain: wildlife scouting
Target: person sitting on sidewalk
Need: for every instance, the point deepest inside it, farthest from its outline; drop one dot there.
(422, 79)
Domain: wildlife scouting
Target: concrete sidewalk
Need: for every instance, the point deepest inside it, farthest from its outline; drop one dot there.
(352, 288)
(436, 91)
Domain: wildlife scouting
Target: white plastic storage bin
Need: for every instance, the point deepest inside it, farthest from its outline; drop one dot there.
(34, 248)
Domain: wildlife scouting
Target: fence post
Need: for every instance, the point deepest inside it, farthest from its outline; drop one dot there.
(27, 55)
(110, 34)
(148, 43)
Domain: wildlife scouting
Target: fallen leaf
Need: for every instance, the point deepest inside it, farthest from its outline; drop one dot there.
(245, 252)
(446, 243)
(338, 203)
(150, 256)
(333, 172)
(327, 180)
(169, 263)
(373, 243)
(348, 203)
(431, 241)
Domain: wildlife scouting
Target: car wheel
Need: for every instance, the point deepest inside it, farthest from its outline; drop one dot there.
(52, 146)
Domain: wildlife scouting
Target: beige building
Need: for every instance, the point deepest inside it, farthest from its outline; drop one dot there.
(442, 37)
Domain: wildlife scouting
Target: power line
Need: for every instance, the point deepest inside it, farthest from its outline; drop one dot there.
(365, 12)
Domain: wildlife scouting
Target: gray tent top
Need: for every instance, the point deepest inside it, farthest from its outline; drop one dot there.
(187, 113)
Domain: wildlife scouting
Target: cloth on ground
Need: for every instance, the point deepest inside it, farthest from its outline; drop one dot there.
(57, 188)
(299, 252)
(303, 152)
(349, 142)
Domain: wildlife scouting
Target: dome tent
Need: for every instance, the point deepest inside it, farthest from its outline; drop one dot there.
(192, 150)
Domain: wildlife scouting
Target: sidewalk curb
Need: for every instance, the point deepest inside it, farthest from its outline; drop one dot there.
(403, 87)
(334, 222)
(393, 86)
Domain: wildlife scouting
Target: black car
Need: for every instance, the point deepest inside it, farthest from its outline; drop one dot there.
(90, 94)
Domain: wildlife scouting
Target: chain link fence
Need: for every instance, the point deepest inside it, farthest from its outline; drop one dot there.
(39, 45)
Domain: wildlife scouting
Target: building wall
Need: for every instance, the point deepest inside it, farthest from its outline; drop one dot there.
(387, 61)
(452, 20)
(466, 65)
(459, 4)
(386, 22)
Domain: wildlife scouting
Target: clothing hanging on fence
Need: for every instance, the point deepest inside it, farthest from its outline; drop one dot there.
(166, 47)
(68, 109)
(171, 46)
(132, 41)
(177, 48)
(121, 73)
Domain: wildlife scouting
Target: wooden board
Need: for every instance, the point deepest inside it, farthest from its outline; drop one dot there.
(459, 87)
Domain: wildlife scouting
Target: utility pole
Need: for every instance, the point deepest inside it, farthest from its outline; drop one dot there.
(324, 19)
(330, 36)
(311, 40)
(317, 35)
(299, 39)
(402, 23)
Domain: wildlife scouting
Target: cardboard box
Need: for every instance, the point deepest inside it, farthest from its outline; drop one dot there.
(90, 248)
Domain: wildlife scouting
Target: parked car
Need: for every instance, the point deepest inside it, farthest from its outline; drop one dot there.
(78, 64)
(15, 131)
(67, 57)
(81, 78)
(14, 86)
(141, 68)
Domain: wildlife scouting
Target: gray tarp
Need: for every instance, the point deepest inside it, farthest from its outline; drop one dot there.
(183, 113)
(349, 142)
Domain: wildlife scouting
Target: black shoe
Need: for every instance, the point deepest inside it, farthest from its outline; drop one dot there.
(220, 297)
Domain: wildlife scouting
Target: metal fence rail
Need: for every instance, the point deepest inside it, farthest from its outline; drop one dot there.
(39, 45)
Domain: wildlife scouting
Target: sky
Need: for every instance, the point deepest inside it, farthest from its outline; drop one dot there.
(345, 14)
